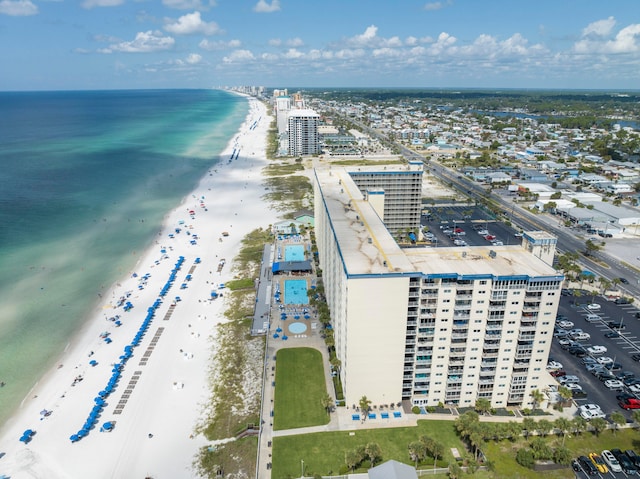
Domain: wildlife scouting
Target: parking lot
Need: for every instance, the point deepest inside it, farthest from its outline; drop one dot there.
(620, 349)
(466, 226)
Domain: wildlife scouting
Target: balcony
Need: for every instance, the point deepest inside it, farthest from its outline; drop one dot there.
(492, 354)
(526, 336)
(412, 322)
(493, 326)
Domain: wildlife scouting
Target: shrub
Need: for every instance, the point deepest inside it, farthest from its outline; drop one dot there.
(415, 410)
(525, 458)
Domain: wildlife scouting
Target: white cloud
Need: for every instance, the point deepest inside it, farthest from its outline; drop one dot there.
(193, 58)
(601, 28)
(275, 42)
(18, 8)
(367, 37)
(219, 45)
(411, 40)
(625, 41)
(295, 42)
(293, 53)
(188, 4)
(239, 56)
(443, 42)
(432, 6)
(89, 4)
(144, 42)
(264, 7)
(192, 23)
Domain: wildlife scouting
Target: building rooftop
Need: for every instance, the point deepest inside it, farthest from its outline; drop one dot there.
(367, 247)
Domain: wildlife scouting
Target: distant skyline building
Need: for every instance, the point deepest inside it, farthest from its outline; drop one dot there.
(428, 325)
(303, 132)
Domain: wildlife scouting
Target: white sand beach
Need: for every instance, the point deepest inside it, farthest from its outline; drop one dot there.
(163, 386)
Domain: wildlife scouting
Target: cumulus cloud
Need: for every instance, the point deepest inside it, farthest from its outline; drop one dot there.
(18, 8)
(598, 39)
(219, 45)
(190, 24)
(188, 4)
(89, 4)
(295, 42)
(275, 42)
(144, 42)
(293, 53)
(264, 7)
(239, 56)
(601, 28)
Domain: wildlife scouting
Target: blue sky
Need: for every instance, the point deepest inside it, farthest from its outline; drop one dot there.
(114, 44)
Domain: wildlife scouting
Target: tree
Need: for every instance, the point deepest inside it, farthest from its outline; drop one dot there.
(525, 458)
(528, 426)
(563, 425)
(579, 424)
(536, 398)
(562, 455)
(590, 247)
(352, 459)
(598, 424)
(540, 448)
(455, 471)
(635, 415)
(618, 419)
(327, 402)
(565, 393)
(373, 452)
(417, 452)
(437, 450)
(483, 405)
(364, 404)
(544, 427)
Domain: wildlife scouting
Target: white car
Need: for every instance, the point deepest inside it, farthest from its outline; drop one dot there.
(596, 350)
(554, 365)
(614, 384)
(611, 461)
(483, 232)
(568, 379)
(589, 411)
(572, 386)
(565, 324)
(604, 360)
(593, 307)
(581, 337)
(592, 318)
(634, 388)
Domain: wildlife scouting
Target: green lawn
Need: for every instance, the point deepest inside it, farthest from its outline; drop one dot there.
(300, 387)
(324, 453)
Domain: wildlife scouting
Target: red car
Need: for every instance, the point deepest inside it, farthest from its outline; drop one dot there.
(558, 373)
(629, 403)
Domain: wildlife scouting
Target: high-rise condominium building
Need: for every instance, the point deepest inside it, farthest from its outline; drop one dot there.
(429, 325)
(303, 132)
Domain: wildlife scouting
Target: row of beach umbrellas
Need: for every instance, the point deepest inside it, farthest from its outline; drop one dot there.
(116, 372)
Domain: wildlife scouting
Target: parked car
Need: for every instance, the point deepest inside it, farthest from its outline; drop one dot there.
(611, 461)
(581, 337)
(587, 466)
(594, 307)
(578, 394)
(615, 325)
(577, 351)
(604, 360)
(635, 458)
(614, 385)
(558, 373)
(598, 462)
(554, 365)
(565, 324)
(565, 343)
(589, 411)
(625, 463)
(612, 334)
(569, 379)
(629, 403)
(592, 318)
(613, 367)
(596, 350)
(622, 301)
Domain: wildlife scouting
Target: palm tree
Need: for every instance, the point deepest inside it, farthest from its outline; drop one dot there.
(455, 471)
(563, 425)
(327, 403)
(417, 452)
(565, 393)
(483, 405)
(437, 450)
(536, 398)
(579, 424)
(352, 459)
(373, 452)
(635, 415)
(598, 424)
(618, 419)
(364, 404)
(528, 426)
(544, 427)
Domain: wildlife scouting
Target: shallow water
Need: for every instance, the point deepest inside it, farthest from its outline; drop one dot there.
(85, 181)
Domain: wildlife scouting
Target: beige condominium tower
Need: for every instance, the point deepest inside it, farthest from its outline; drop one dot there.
(428, 325)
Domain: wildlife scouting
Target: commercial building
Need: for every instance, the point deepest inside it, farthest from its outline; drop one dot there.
(429, 325)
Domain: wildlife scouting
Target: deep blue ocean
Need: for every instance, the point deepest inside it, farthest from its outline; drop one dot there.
(85, 181)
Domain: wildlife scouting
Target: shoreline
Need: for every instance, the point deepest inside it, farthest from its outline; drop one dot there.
(167, 374)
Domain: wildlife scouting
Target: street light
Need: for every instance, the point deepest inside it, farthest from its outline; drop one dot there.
(301, 468)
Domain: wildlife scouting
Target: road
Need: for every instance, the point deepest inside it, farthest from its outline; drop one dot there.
(607, 266)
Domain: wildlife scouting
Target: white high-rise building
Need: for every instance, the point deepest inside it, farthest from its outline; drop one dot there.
(303, 132)
(430, 325)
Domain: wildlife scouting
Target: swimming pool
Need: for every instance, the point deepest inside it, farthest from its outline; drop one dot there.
(297, 328)
(294, 252)
(295, 291)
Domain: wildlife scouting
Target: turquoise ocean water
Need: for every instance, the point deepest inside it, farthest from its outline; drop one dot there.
(85, 180)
